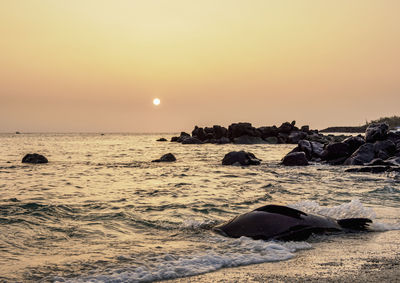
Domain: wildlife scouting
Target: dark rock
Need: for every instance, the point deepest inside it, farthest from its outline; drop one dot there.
(162, 140)
(191, 140)
(223, 140)
(271, 140)
(306, 147)
(240, 129)
(199, 133)
(169, 157)
(295, 159)
(362, 155)
(283, 137)
(296, 136)
(220, 132)
(209, 130)
(174, 139)
(183, 136)
(286, 127)
(248, 140)
(375, 132)
(337, 161)
(267, 132)
(354, 143)
(34, 158)
(305, 129)
(240, 158)
(335, 151)
(317, 149)
(386, 146)
(17, 133)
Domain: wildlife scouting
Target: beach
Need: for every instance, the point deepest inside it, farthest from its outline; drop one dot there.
(354, 258)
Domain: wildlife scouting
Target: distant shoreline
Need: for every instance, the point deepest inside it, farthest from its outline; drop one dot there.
(344, 129)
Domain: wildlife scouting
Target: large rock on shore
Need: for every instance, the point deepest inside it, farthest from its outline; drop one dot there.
(376, 132)
(362, 155)
(295, 159)
(34, 158)
(336, 153)
(169, 157)
(240, 158)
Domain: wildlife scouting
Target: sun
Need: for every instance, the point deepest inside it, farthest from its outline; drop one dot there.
(156, 101)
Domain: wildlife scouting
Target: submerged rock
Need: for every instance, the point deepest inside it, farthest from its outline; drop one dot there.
(34, 158)
(295, 159)
(162, 140)
(169, 157)
(240, 158)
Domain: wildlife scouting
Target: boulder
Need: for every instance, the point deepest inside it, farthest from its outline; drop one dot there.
(362, 155)
(220, 132)
(199, 133)
(191, 140)
(267, 132)
(169, 157)
(240, 158)
(162, 140)
(317, 149)
(286, 127)
(305, 129)
(271, 140)
(248, 140)
(174, 139)
(34, 158)
(306, 147)
(295, 159)
(240, 129)
(354, 143)
(386, 147)
(335, 151)
(295, 136)
(375, 132)
(183, 136)
(222, 140)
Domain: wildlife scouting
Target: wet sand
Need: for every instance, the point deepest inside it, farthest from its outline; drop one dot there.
(366, 257)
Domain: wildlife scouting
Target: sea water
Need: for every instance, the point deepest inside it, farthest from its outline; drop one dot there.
(101, 211)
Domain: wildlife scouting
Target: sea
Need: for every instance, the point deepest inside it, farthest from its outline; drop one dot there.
(101, 211)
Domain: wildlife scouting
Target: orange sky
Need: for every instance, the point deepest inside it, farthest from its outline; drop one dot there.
(93, 65)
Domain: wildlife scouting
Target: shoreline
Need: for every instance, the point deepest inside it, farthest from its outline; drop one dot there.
(371, 257)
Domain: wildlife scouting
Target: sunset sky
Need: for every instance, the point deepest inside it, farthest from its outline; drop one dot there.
(96, 66)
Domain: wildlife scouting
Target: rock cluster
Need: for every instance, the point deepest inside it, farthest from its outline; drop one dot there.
(379, 147)
(245, 133)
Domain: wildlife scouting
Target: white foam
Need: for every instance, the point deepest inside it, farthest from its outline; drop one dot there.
(351, 209)
(193, 224)
(237, 252)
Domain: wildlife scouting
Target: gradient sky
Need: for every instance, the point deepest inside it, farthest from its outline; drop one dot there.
(93, 65)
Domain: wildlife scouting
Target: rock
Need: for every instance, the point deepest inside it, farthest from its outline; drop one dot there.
(162, 140)
(267, 132)
(220, 132)
(305, 129)
(191, 140)
(169, 157)
(295, 159)
(183, 136)
(199, 133)
(335, 151)
(378, 161)
(223, 140)
(286, 127)
(395, 160)
(248, 140)
(317, 149)
(354, 143)
(296, 136)
(387, 147)
(306, 147)
(375, 132)
(240, 129)
(240, 158)
(174, 139)
(271, 140)
(34, 158)
(362, 155)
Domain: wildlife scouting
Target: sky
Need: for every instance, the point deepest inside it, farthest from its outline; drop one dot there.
(97, 65)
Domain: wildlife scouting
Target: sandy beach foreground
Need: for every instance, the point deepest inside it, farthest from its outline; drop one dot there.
(368, 257)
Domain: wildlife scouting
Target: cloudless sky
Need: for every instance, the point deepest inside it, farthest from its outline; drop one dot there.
(96, 65)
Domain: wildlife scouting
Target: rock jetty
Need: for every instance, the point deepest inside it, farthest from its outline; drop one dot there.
(379, 148)
(245, 133)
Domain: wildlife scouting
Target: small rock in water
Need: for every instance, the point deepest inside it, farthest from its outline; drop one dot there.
(162, 140)
(34, 158)
(295, 159)
(240, 158)
(169, 157)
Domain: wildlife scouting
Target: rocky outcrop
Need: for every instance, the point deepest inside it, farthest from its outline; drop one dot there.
(34, 158)
(376, 132)
(169, 157)
(246, 133)
(240, 158)
(295, 159)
